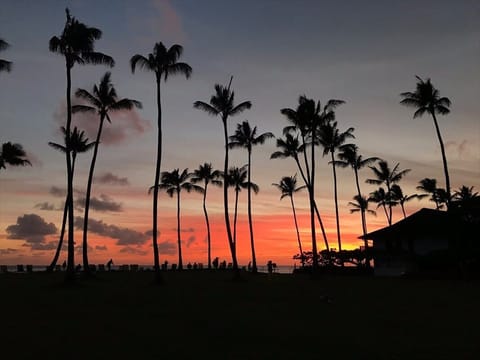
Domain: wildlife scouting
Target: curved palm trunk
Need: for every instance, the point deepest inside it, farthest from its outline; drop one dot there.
(231, 242)
(156, 259)
(363, 218)
(319, 218)
(70, 273)
(209, 247)
(312, 208)
(235, 221)
(52, 265)
(444, 158)
(180, 260)
(389, 221)
(335, 194)
(86, 266)
(298, 232)
(250, 222)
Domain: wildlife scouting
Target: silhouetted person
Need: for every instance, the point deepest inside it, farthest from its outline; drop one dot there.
(189, 266)
(249, 266)
(215, 263)
(109, 264)
(223, 265)
(270, 266)
(64, 265)
(165, 265)
(78, 267)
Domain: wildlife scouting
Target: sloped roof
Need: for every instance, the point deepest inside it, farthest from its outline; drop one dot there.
(423, 222)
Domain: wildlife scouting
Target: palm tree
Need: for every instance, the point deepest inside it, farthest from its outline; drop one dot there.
(13, 154)
(75, 143)
(102, 100)
(164, 63)
(173, 183)
(426, 99)
(237, 178)
(288, 187)
(246, 137)
(382, 198)
(331, 139)
(348, 156)
(4, 64)
(438, 195)
(222, 104)
(207, 175)
(76, 45)
(387, 176)
(360, 204)
(399, 197)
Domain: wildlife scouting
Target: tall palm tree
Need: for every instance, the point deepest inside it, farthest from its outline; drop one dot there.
(426, 99)
(4, 64)
(76, 45)
(173, 183)
(389, 177)
(222, 104)
(237, 178)
(164, 63)
(360, 204)
(102, 100)
(288, 187)
(13, 154)
(401, 198)
(207, 175)
(330, 137)
(348, 157)
(438, 195)
(76, 143)
(246, 137)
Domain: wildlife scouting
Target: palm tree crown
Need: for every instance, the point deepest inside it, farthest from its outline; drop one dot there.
(13, 154)
(4, 64)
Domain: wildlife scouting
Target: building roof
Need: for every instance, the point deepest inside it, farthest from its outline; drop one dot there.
(419, 224)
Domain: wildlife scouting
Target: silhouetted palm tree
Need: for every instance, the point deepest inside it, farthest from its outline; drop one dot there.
(360, 204)
(400, 198)
(246, 137)
(76, 143)
(426, 99)
(13, 154)
(222, 104)
(348, 156)
(387, 176)
(206, 174)
(102, 100)
(164, 63)
(237, 178)
(381, 198)
(173, 183)
(288, 187)
(331, 139)
(4, 64)
(437, 195)
(76, 45)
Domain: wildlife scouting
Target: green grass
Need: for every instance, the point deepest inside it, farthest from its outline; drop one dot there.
(205, 315)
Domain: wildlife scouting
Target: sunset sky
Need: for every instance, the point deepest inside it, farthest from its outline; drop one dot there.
(363, 52)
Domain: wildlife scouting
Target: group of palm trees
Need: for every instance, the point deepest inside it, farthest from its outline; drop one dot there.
(310, 124)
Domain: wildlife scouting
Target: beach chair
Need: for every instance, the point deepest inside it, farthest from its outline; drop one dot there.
(134, 267)
(20, 268)
(29, 268)
(101, 267)
(3, 269)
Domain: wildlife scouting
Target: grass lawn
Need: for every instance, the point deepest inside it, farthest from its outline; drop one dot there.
(205, 315)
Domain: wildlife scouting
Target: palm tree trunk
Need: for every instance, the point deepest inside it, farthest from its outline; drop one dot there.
(52, 265)
(363, 218)
(156, 259)
(335, 194)
(86, 266)
(209, 247)
(180, 260)
(250, 222)
(70, 273)
(312, 207)
(235, 221)
(298, 232)
(225, 200)
(444, 158)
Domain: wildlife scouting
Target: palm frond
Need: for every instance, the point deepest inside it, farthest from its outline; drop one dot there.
(205, 107)
(82, 108)
(178, 68)
(98, 58)
(141, 62)
(240, 108)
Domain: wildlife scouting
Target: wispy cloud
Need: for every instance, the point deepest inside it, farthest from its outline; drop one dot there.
(112, 179)
(102, 204)
(45, 206)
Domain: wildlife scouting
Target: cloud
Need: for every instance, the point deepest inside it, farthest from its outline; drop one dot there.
(45, 206)
(31, 228)
(103, 204)
(170, 23)
(112, 179)
(41, 246)
(101, 247)
(124, 236)
(167, 248)
(190, 241)
(125, 124)
(463, 150)
(8, 251)
(133, 251)
(58, 192)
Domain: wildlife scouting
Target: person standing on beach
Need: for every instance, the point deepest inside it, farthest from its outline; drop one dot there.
(109, 264)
